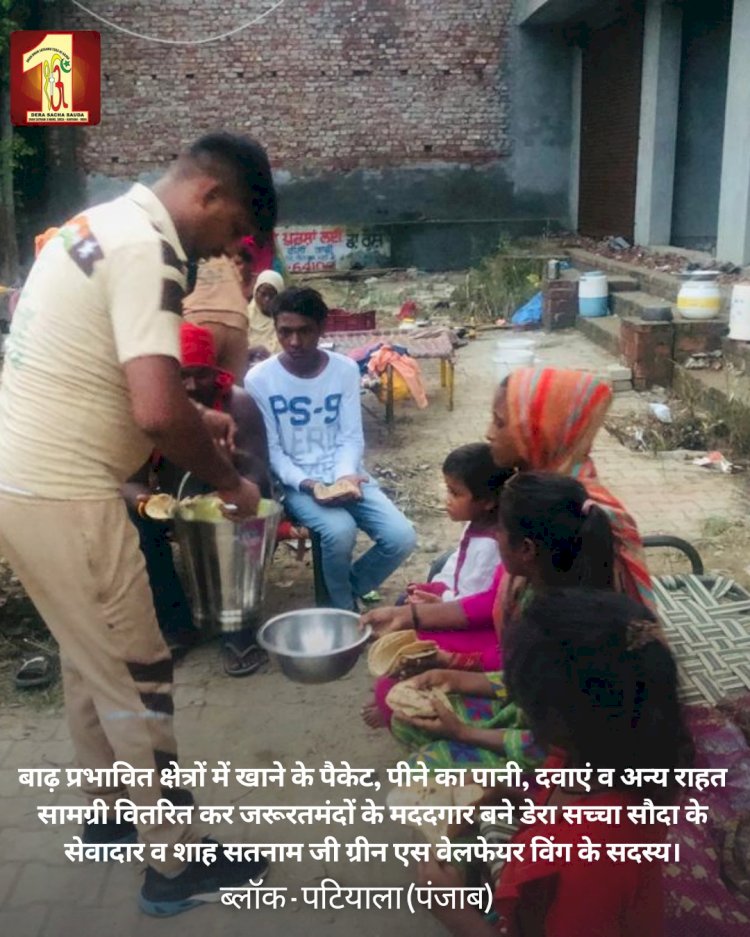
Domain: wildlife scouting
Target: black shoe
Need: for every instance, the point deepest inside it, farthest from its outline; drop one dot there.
(109, 833)
(197, 884)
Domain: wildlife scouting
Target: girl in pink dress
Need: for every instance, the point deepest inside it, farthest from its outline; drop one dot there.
(471, 574)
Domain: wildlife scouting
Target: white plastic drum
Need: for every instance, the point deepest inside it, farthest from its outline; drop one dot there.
(739, 313)
(593, 295)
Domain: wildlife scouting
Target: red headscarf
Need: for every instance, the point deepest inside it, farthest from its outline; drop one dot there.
(197, 351)
(260, 255)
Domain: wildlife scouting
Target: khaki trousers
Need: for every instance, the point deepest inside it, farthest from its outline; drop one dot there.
(82, 567)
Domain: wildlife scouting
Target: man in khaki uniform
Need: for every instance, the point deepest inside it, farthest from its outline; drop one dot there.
(91, 385)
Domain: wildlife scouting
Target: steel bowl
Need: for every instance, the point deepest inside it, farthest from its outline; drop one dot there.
(314, 645)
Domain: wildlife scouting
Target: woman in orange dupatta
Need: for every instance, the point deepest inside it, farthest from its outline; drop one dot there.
(545, 419)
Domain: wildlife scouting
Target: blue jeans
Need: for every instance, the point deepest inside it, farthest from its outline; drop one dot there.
(394, 539)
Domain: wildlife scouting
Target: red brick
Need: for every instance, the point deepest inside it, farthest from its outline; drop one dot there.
(559, 304)
(324, 86)
(647, 349)
(691, 338)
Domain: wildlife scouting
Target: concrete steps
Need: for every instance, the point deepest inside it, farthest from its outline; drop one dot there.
(635, 303)
(622, 284)
(651, 347)
(656, 352)
(625, 295)
(656, 282)
(604, 332)
(617, 282)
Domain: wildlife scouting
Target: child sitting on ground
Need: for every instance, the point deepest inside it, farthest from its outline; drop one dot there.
(599, 689)
(473, 483)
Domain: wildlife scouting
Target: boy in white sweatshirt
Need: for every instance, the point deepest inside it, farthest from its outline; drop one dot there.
(310, 400)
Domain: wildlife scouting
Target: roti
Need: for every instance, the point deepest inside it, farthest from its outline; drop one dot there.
(340, 489)
(160, 507)
(383, 653)
(387, 654)
(407, 700)
(417, 650)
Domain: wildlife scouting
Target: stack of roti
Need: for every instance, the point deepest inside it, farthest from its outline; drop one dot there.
(388, 654)
(406, 700)
(434, 795)
(341, 489)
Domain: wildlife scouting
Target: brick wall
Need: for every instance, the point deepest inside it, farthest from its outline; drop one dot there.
(324, 84)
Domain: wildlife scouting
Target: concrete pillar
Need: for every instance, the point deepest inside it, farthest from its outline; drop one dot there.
(575, 138)
(660, 97)
(733, 241)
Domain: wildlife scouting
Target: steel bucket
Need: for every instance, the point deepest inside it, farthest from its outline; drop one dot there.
(225, 566)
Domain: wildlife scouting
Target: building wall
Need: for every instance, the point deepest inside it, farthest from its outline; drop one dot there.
(327, 84)
(393, 112)
(700, 127)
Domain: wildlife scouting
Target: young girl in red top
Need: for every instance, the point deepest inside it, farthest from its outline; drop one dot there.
(599, 689)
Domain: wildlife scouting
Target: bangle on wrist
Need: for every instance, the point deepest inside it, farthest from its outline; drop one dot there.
(414, 616)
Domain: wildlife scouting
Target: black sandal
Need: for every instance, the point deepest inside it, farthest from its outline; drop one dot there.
(242, 663)
(36, 672)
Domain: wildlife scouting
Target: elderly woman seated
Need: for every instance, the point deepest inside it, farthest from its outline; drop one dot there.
(261, 336)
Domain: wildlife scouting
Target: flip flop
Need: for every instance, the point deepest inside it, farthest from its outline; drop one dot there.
(239, 663)
(36, 672)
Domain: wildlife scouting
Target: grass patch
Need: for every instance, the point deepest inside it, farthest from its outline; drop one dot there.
(718, 526)
(500, 284)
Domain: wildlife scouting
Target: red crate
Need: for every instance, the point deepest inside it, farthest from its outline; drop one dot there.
(342, 320)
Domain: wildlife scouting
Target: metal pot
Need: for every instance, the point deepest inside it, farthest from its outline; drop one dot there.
(225, 566)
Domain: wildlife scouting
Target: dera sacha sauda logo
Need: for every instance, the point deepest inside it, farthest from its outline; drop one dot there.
(55, 77)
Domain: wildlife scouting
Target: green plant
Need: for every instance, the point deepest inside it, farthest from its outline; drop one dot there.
(500, 284)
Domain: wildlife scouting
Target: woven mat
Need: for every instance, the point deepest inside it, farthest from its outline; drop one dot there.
(707, 620)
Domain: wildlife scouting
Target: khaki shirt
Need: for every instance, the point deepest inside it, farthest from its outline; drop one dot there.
(217, 296)
(107, 289)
